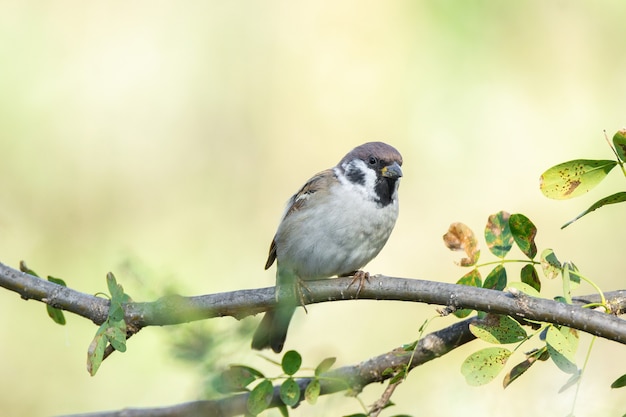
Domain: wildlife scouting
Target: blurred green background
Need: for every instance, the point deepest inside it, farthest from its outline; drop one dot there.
(160, 141)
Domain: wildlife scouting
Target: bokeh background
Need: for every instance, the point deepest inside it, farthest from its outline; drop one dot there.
(160, 141)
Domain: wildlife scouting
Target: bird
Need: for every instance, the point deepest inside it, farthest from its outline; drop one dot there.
(333, 226)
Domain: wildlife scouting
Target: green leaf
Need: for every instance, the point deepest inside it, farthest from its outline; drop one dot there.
(612, 199)
(519, 369)
(498, 329)
(118, 297)
(116, 311)
(496, 280)
(56, 314)
(290, 392)
(236, 378)
(95, 352)
(472, 279)
(619, 382)
(562, 345)
(483, 366)
(498, 234)
(324, 366)
(27, 270)
(312, 391)
(619, 142)
(525, 288)
(398, 377)
(574, 178)
(550, 264)
(524, 232)
(57, 281)
(462, 313)
(260, 397)
(291, 362)
(116, 335)
(530, 277)
(115, 289)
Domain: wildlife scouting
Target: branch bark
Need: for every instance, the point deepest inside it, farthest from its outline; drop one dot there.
(176, 309)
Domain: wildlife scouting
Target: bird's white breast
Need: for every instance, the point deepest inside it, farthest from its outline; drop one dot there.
(339, 231)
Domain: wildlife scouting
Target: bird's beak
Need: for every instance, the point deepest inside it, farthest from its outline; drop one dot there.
(392, 171)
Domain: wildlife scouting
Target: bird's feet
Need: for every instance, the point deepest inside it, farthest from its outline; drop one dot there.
(361, 277)
(300, 289)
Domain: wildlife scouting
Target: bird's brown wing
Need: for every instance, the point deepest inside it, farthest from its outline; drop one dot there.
(320, 181)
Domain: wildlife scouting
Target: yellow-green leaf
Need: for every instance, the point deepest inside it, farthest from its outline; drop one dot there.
(290, 392)
(525, 288)
(550, 264)
(483, 366)
(95, 352)
(324, 366)
(562, 345)
(312, 391)
(236, 378)
(498, 329)
(260, 397)
(574, 178)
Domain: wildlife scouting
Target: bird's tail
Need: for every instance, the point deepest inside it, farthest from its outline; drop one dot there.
(272, 330)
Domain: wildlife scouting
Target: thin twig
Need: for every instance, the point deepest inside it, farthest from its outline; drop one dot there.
(382, 402)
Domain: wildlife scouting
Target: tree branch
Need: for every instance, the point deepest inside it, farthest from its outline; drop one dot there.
(353, 378)
(175, 309)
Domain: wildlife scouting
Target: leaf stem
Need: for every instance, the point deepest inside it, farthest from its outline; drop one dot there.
(595, 286)
(508, 261)
(422, 329)
(582, 372)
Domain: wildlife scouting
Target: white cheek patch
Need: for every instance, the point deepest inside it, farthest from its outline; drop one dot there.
(359, 178)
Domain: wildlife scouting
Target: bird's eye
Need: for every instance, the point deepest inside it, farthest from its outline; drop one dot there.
(373, 160)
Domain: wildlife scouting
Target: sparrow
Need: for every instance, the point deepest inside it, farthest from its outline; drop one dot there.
(333, 226)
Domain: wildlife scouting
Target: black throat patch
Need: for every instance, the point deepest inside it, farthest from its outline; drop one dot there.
(384, 190)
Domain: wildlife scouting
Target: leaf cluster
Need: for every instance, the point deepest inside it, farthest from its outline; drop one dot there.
(113, 331)
(560, 343)
(239, 378)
